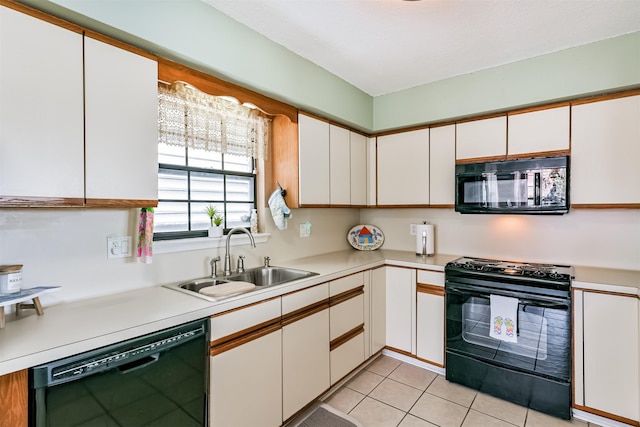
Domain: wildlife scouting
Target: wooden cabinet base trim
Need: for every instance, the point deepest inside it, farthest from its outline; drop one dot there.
(539, 154)
(607, 415)
(606, 206)
(236, 342)
(597, 291)
(430, 362)
(430, 289)
(346, 337)
(40, 202)
(397, 350)
(120, 203)
(481, 159)
(345, 296)
(403, 206)
(303, 312)
(14, 391)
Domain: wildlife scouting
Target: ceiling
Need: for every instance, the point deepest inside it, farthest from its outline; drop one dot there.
(383, 46)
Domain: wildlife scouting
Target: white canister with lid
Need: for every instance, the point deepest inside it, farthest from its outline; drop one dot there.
(10, 278)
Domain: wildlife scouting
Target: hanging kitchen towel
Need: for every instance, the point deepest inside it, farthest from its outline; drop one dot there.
(145, 236)
(504, 312)
(279, 209)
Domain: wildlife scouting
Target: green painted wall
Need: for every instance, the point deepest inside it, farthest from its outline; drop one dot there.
(196, 34)
(593, 68)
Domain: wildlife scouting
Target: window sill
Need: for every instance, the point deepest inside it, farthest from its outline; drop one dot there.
(183, 245)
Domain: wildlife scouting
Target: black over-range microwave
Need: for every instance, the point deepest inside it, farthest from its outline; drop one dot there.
(527, 186)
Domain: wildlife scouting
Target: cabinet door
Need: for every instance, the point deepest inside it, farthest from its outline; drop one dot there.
(340, 165)
(430, 317)
(41, 110)
(605, 149)
(485, 138)
(14, 391)
(372, 172)
(442, 165)
(250, 374)
(346, 357)
(313, 155)
(378, 316)
(358, 169)
(400, 308)
(611, 360)
(305, 361)
(539, 131)
(121, 91)
(403, 168)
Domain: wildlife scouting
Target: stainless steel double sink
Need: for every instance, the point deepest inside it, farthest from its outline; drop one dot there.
(262, 277)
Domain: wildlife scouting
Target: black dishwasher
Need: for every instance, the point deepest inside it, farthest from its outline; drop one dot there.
(159, 379)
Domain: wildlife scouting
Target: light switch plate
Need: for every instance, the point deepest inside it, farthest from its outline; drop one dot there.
(412, 229)
(118, 247)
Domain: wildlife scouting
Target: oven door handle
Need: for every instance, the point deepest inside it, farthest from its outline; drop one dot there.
(524, 298)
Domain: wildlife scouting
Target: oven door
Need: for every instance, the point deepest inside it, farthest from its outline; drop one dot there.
(543, 344)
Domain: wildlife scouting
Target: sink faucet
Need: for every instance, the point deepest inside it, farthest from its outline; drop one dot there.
(227, 256)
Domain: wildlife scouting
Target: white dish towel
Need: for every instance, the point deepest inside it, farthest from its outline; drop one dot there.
(279, 209)
(504, 312)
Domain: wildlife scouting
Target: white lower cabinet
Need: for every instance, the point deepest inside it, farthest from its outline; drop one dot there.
(430, 317)
(246, 367)
(249, 375)
(346, 325)
(607, 362)
(305, 348)
(400, 308)
(377, 310)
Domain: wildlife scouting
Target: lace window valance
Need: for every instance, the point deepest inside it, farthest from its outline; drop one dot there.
(188, 117)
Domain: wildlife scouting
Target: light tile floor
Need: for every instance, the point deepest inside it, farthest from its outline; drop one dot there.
(392, 393)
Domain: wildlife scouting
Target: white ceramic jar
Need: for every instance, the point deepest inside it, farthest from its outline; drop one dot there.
(10, 278)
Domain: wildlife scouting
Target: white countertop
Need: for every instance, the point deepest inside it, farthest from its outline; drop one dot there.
(71, 328)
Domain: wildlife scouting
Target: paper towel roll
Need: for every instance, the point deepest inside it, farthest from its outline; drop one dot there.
(424, 239)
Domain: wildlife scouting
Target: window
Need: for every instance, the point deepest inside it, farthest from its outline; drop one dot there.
(205, 157)
(190, 179)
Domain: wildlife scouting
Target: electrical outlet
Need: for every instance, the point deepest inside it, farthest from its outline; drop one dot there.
(412, 229)
(118, 247)
(305, 229)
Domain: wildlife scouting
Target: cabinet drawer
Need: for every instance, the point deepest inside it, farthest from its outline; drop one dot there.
(345, 316)
(346, 357)
(346, 283)
(232, 322)
(298, 300)
(431, 277)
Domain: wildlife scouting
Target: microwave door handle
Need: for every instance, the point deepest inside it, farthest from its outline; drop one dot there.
(536, 189)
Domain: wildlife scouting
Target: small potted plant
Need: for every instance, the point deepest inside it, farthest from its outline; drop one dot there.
(215, 218)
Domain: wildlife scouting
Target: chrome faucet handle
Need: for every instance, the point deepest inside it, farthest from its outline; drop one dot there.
(267, 260)
(214, 266)
(240, 264)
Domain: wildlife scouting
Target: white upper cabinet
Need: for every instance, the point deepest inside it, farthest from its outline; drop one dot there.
(339, 165)
(539, 131)
(403, 168)
(121, 124)
(358, 169)
(41, 109)
(442, 165)
(481, 138)
(313, 142)
(605, 149)
(372, 172)
(333, 164)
